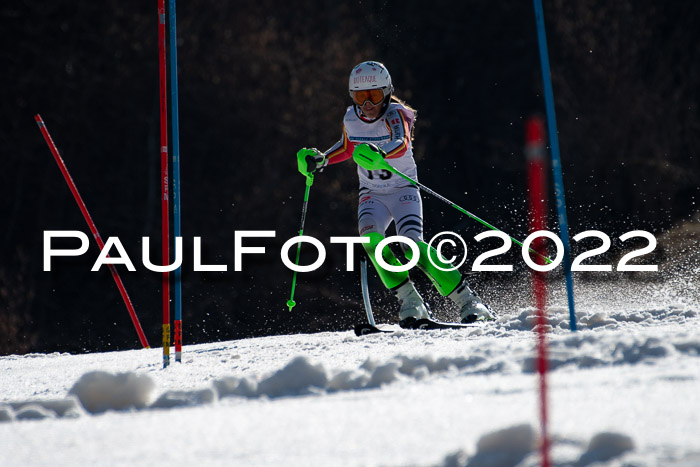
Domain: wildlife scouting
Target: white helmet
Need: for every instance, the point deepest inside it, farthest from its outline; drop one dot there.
(370, 75)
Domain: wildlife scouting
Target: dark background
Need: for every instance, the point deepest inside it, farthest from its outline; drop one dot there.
(260, 79)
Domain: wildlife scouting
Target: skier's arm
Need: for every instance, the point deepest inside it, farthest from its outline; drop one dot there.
(340, 151)
(399, 122)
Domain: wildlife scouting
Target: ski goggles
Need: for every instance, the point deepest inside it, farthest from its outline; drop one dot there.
(375, 96)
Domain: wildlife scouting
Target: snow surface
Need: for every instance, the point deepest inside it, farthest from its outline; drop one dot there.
(623, 390)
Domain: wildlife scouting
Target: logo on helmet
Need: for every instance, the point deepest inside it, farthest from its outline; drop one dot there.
(364, 79)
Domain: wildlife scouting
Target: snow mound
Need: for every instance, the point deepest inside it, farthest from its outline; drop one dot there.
(172, 399)
(504, 447)
(382, 374)
(40, 409)
(234, 386)
(34, 412)
(299, 377)
(519, 445)
(604, 447)
(558, 318)
(99, 391)
(6, 413)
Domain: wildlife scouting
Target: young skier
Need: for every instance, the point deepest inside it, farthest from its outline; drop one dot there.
(379, 121)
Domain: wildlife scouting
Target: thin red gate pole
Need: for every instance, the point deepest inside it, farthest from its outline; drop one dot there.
(165, 208)
(537, 202)
(93, 228)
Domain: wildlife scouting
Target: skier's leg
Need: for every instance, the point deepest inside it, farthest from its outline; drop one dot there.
(449, 282)
(373, 219)
(471, 308)
(441, 273)
(390, 279)
(407, 209)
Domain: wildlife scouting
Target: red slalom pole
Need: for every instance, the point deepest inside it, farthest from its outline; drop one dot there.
(93, 228)
(165, 207)
(537, 204)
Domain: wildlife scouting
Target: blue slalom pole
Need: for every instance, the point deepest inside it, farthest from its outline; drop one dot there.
(175, 124)
(556, 159)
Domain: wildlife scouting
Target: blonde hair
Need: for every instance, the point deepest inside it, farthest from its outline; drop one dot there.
(415, 112)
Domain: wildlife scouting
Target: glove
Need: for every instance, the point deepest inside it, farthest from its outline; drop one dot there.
(370, 157)
(310, 160)
(377, 149)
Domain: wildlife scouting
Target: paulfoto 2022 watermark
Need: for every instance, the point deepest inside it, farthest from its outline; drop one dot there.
(114, 252)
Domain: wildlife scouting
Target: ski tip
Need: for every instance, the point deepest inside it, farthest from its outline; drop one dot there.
(429, 324)
(366, 328)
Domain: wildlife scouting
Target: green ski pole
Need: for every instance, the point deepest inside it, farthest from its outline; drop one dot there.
(369, 159)
(309, 181)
